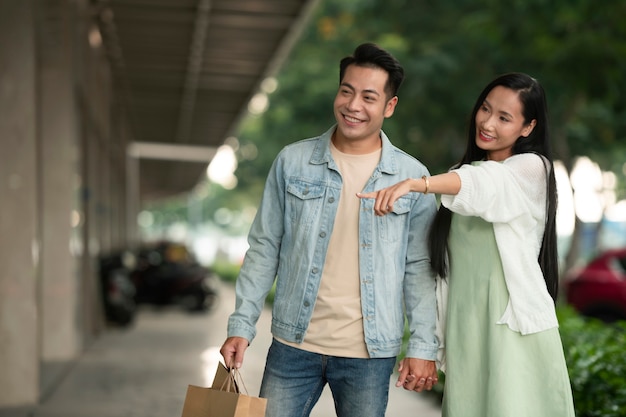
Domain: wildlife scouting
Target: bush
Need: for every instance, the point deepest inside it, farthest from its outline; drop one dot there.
(227, 271)
(596, 358)
(595, 353)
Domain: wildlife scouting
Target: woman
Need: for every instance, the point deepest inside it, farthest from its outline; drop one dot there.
(494, 239)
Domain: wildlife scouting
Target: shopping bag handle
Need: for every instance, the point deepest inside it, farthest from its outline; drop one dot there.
(234, 376)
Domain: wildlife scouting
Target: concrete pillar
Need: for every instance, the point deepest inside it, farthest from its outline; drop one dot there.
(94, 91)
(60, 186)
(19, 223)
(62, 192)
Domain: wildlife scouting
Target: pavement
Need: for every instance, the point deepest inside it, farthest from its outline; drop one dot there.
(144, 370)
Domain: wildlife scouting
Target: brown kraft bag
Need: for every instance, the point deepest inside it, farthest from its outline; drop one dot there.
(223, 398)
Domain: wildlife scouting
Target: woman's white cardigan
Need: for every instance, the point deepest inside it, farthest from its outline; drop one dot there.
(511, 195)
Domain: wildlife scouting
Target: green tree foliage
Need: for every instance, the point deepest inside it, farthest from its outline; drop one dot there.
(450, 50)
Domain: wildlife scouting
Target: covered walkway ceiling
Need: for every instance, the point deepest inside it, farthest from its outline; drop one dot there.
(186, 70)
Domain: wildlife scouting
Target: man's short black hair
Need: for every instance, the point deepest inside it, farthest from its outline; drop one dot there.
(371, 55)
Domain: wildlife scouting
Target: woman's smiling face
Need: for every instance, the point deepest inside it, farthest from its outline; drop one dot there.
(500, 122)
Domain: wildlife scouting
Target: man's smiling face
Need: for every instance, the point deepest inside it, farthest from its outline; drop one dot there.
(361, 105)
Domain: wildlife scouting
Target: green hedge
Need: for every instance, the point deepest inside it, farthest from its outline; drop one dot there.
(595, 353)
(596, 358)
(227, 271)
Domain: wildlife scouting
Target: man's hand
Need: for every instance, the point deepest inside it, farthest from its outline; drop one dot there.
(417, 374)
(232, 350)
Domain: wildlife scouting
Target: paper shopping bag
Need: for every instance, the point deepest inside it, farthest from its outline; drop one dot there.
(222, 399)
(223, 380)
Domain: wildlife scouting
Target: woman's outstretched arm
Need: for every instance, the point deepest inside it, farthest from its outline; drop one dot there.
(448, 183)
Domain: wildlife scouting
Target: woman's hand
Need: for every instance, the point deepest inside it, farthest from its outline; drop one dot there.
(448, 183)
(387, 196)
(417, 374)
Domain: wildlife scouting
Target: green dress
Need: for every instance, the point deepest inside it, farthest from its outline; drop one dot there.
(492, 371)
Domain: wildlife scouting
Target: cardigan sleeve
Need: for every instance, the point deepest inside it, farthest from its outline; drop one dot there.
(512, 196)
(500, 192)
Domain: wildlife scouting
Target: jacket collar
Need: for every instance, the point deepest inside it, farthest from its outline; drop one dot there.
(321, 153)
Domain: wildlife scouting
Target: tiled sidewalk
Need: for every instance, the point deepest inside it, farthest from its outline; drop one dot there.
(143, 371)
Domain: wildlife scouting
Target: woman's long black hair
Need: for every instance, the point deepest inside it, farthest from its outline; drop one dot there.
(534, 104)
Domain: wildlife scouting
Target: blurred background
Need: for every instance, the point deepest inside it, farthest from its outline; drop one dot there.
(136, 136)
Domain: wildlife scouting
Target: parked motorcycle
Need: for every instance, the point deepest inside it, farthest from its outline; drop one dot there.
(118, 291)
(167, 274)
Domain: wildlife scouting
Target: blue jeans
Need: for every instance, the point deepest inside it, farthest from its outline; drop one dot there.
(294, 379)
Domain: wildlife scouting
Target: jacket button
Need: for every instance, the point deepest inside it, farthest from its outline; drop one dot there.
(323, 234)
(331, 200)
(306, 304)
(314, 270)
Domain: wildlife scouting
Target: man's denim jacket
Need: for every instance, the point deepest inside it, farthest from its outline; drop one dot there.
(289, 239)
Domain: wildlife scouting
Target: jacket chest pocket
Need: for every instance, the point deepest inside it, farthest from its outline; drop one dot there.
(393, 226)
(304, 201)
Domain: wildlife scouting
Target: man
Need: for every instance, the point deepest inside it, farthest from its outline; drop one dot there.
(344, 277)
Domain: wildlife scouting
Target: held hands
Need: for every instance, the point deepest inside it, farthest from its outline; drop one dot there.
(233, 350)
(417, 374)
(387, 196)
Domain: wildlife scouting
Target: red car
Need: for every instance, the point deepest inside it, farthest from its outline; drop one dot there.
(599, 289)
